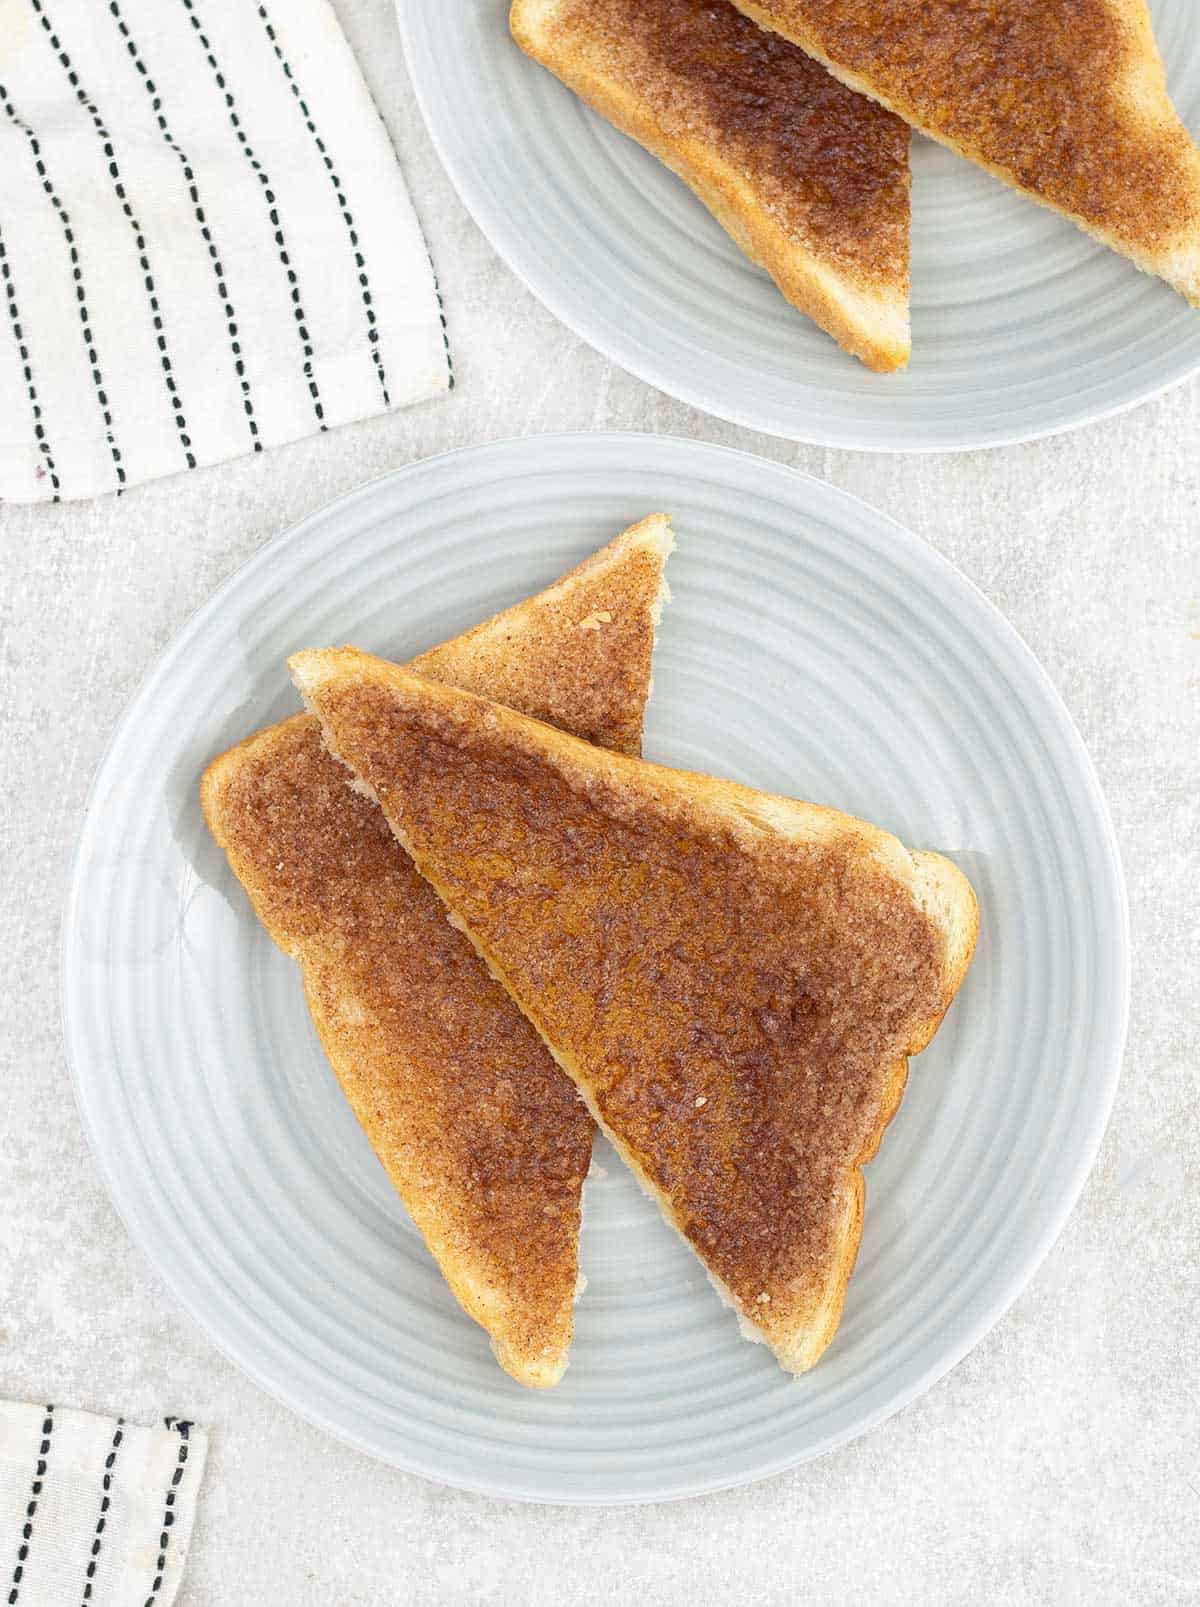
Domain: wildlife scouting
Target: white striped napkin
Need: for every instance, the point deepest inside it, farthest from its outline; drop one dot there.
(206, 245)
(94, 1510)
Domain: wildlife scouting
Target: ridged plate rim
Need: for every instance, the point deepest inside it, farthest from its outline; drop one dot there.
(508, 463)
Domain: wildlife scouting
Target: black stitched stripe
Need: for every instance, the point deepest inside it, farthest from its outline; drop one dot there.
(105, 1501)
(114, 173)
(264, 180)
(89, 342)
(183, 1428)
(201, 218)
(35, 1492)
(437, 290)
(359, 259)
(35, 407)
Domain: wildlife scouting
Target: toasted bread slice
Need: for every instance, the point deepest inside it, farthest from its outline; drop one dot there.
(810, 179)
(1065, 100)
(482, 1135)
(734, 981)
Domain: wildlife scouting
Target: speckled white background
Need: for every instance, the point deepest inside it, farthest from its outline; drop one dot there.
(1060, 1463)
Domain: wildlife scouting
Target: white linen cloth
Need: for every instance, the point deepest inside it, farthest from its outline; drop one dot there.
(94, 1510)
(206, 244)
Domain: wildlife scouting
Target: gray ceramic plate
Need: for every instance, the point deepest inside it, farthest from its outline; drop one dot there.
(812, 647)
(1022, 326)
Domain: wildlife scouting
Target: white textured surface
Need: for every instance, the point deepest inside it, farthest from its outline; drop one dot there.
(1061, 1462)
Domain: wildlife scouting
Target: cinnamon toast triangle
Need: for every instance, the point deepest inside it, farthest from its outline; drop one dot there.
(482, 1135)
(734, 981)
(810, 178)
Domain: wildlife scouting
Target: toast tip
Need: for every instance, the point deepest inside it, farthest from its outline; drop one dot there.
(313, 667)
(655, 531)
(541, 1371)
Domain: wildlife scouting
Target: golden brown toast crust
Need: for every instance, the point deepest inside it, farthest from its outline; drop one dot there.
(578, 654)
(482, 1135)
(810, 178)
(734, 981)
(1064, 99)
